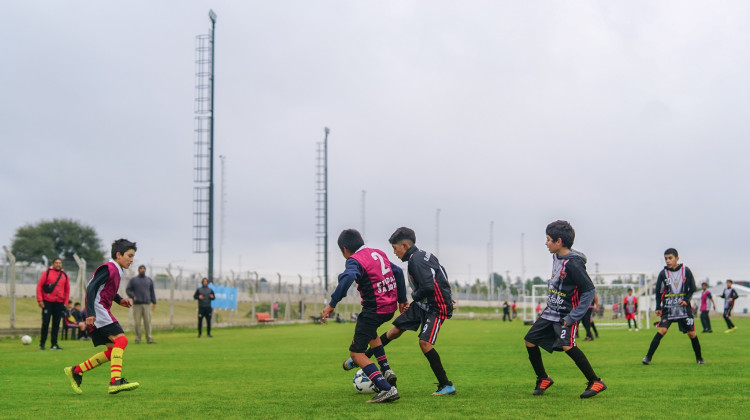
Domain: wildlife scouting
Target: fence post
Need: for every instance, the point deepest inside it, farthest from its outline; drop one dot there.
(12, 260)
(171, 297)
(255, 295)
(81, 276)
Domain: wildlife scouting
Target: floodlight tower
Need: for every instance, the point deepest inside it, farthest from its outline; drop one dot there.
(203, 192)
(321, 207)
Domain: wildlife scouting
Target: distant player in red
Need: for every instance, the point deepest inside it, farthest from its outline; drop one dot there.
(706, 297)
(103, 328)
(630, 306)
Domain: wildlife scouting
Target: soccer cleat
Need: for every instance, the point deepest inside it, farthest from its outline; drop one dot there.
(588, 339)
(542, 384)
(349, 364)
(730, 330)
(75, 379)
(701, 361)
(385, 396)
(390, 377)
(445, 390)
(55, 347)
(646, 360)
(636, 329)
(594, 387)
(154, 342)
(122, 385)
(41, 347)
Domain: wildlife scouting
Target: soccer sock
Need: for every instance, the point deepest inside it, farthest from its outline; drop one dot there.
(383, 340)
(535, 357)
(437, 367)
(654, 344)
(380, 356)
(374, 375)
(115, 370)
(593, 327)
(94, 361)
(583, 363)
(696, 347)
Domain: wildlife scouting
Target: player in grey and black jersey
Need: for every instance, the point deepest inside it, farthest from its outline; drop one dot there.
(674, 289)
(571, 291)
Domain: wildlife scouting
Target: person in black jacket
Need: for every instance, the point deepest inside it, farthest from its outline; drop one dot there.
(674, 289)
(431, 304)
(204, 295)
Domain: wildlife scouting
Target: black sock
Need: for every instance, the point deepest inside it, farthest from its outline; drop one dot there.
(535, 357)
(696, 347)
(583, 363)
(654, 344)
(437, 367)
(383, 339)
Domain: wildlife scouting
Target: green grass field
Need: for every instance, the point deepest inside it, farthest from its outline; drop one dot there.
(293, 371)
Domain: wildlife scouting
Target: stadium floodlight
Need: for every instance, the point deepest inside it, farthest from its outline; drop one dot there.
(212, 15)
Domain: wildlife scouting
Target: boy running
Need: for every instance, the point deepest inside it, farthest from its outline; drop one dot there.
(674, 289)
(103, 328)
(630, 306)
(706, 297)
(431, 303)
(571, 292)
(381, 285)
(729, 295)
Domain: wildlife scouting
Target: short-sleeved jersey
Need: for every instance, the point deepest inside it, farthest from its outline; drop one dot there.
(629, 304)
(673, 287)
(569, 279)
(705, 298)
(377, 284)
(101, 291)
(429, 282)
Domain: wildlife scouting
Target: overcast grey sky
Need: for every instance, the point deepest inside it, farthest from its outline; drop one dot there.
(628, 119)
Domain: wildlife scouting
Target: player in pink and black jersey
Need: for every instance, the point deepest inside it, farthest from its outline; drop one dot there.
(571, 292)
(382, 287)
(674, 289)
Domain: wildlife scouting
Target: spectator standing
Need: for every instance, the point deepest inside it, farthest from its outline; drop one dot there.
(52, 292)
(141, 290)
(204, 295)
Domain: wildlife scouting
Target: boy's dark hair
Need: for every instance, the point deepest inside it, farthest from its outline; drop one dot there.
(401, 234)
(730, 281)
(122, 246)
(77, 303)
(671, 251)
(630, 289)
(704, 283)
(560, 229)
(351, 240)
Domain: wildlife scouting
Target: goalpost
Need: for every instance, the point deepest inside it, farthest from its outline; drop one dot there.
(609, 295)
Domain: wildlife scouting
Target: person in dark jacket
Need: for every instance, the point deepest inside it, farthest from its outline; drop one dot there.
(141, 290)
(204, 295)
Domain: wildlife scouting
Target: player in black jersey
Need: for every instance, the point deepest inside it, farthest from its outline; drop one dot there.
(571, 291)
(674, 289)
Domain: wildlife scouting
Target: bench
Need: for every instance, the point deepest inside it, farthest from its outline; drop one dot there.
(264, 317)
(315, 319)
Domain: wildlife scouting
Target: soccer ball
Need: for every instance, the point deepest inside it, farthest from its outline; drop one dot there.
(26, 340)
(362, 383)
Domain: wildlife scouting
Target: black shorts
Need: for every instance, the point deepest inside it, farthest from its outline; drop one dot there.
(367, 329)
(686, 324)
(552, 336)
(100, 336)
(205, 312)
(416, 317)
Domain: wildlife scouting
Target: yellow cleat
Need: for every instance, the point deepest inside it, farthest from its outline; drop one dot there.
(122, 385)
(75, 379)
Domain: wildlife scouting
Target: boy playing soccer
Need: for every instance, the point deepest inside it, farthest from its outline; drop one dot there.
(381, 286)
(706, 297)
(571, 292)
(103, 328)
(630, 306)
(431, 306)
(674, 289)
(729, 295)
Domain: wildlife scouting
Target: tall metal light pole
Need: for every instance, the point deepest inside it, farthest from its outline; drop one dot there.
(211, 16)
